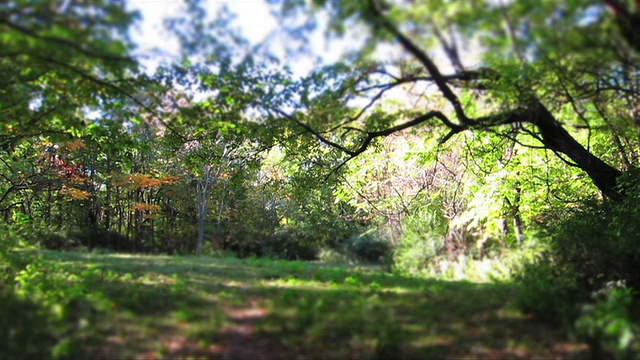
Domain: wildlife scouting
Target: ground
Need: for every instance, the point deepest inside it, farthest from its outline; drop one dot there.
(152, 307)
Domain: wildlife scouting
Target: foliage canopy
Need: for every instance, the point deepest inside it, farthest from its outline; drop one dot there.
(448, 136)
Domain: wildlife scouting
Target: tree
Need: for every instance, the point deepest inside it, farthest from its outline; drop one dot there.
(210, 175)
(59, 60)
(531, 82)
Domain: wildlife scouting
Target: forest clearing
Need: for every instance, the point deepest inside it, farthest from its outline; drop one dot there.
(155, 307)
(320, 179)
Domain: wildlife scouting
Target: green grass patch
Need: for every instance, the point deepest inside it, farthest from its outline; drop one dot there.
(112, 305)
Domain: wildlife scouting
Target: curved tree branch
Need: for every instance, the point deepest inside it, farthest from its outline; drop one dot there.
(426, 61)
(64, 42)
(552, 133)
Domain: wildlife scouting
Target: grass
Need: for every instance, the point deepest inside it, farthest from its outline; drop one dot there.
(131, 306)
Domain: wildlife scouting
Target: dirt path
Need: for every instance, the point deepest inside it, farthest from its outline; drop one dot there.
(240, 338)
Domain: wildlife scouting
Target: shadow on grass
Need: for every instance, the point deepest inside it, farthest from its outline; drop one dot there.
(451, 321)
(254, 308)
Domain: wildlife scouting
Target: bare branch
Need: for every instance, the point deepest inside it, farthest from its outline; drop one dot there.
(417, 121)
(315, 133)
(450, 48)
(426, 61)
(512, 35)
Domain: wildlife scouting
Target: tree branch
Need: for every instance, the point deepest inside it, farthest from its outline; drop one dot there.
(315, 133)
(64, 42)
(112, 86)
(426, 61)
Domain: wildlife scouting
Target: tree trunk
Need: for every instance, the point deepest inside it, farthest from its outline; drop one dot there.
(202, 193)
(517, 220)
(107, 200)
(556, 138)
(202, 197)
(552, 134)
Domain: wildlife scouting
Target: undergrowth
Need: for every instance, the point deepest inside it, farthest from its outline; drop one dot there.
(114, 305)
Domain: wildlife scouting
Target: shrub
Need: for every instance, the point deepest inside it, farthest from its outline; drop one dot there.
(593, 247)
(549, 295)
(10, 261)
(25, 328)
(330, 255)
(600, 244)
(100, 238)
(423, 239)
(368, 247)
(243, 242)
(56, 241)
(86, 238)
(414, 251)
(290, 244)
(608, 324)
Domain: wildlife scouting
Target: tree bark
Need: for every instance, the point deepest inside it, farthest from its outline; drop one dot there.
(556, 138)
(550, 131)
(202, 194)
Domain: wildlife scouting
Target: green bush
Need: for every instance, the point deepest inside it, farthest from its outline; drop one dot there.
(57, 241)
(608, 324)
(9, 259)
(290, 244)
(368, 247)
(423, 239)
(100, 238)
(330, 255)
(549, 296)
(244, 242)
(415, 251)
(599, 244)
(589, 251)
(25, 328)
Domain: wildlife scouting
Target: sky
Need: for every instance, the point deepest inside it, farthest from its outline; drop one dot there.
(254, 18)
(253, 15)
(256, 22)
